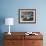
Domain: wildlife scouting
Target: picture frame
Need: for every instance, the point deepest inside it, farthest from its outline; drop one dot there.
(27, 15)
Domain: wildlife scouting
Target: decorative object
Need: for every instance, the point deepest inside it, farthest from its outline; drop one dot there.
(9, 21)
(30, 33)
(27, 15)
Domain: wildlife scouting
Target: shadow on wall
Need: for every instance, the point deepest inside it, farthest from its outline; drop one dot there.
(2, 21)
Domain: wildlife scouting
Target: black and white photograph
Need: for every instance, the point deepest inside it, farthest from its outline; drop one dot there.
(27, 15)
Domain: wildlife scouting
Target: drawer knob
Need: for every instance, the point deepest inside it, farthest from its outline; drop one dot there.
(33, 42)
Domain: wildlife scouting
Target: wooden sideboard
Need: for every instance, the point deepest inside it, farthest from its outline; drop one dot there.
(20, 39)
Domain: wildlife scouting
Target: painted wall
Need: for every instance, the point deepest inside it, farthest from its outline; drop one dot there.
(9, 8)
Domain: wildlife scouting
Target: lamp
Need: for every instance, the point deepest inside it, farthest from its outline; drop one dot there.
(9, 21)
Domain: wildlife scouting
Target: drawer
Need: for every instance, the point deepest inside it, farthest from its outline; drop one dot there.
(28, 37)
(19, 37)
(13, 43)
(16, 37)
(37, 43)
(33, 43)
(19, 42)
(9, 43)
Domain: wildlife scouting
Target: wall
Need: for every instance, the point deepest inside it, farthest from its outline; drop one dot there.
(9, 8)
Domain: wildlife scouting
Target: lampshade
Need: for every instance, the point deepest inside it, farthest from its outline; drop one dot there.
(9, 21)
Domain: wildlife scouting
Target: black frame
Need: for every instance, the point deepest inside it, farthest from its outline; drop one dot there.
(27, 12)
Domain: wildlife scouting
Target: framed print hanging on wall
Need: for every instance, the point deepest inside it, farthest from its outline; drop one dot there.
(27, 15)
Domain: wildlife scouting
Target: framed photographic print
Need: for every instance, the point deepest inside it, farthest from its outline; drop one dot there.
(27, 15)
